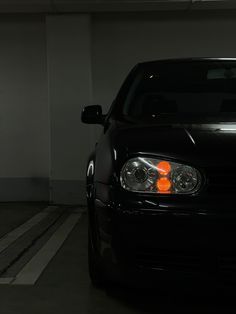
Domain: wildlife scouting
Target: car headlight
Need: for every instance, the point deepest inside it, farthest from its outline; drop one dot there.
(153, 175)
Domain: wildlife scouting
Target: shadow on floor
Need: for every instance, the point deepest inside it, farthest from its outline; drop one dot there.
(191, 298)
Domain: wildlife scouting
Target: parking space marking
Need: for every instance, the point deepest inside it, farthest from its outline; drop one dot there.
(6, 281)
(13, 235)
(34, 268)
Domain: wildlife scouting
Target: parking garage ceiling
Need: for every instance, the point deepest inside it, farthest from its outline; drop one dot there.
(76, 6)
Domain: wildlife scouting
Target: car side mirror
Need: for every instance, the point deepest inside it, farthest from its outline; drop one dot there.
(92, 115)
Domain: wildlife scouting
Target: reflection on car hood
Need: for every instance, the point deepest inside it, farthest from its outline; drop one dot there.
(203, 144)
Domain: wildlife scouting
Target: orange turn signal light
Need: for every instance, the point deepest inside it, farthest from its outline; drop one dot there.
(163, 185)
(164, 168)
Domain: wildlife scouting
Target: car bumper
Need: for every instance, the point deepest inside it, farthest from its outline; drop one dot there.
(145, 240)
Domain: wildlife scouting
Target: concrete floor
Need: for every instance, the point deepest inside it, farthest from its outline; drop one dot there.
(64, 286)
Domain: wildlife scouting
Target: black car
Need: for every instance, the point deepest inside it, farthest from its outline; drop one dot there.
(161, 182)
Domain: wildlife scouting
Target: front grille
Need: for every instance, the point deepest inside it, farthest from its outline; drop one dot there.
(227, 263)
(221, 180)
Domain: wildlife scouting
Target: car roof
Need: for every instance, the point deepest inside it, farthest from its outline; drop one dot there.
(183, 60)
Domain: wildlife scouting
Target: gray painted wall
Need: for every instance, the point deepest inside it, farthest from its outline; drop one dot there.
(24, 119)
(70, 88)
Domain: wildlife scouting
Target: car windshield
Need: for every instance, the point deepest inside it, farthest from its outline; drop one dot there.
(183, 89)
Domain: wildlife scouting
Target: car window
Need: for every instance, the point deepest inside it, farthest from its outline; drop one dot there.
(191, 88)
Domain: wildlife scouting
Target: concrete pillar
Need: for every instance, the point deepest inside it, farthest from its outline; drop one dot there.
(70, 88)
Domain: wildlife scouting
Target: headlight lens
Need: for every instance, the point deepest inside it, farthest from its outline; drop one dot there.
(159, 176)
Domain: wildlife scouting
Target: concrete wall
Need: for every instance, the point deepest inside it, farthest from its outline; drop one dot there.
(24, 120)
(70, 88)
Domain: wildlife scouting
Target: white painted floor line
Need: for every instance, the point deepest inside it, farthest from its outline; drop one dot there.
(13, 235)
(6, 281)
(34, 268)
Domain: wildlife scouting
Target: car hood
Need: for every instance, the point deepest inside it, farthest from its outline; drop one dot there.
(203, 145)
